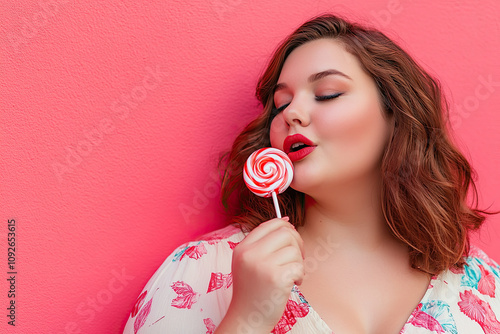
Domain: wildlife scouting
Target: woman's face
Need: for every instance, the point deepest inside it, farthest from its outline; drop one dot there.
(324, 95)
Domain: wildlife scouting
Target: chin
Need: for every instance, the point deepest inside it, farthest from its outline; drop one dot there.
(302, 187)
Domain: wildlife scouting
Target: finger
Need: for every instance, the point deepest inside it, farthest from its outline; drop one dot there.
(264, 229)
(293, 273)
(286, 255)
(300, 241)
(271, 226)
(278, 239)
(299, 281)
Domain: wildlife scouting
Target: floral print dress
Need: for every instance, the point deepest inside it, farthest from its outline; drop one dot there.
(191, 292)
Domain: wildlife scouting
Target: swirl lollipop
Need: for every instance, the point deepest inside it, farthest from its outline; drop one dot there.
(268, 172)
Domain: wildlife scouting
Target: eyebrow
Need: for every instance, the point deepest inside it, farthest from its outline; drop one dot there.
(315, 77)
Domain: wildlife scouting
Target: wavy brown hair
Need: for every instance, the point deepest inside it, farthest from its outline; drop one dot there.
(425, 177)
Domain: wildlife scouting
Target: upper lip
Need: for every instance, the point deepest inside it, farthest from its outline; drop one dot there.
(296, 138)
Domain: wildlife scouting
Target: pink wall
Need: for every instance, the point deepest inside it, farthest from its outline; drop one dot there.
(113, 116)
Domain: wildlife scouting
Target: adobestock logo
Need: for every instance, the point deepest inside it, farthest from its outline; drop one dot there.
(383, 17)
(201, 199)
(31, 28)
(483, 91)
(121, 109)
(202, 196)
(222, 6)
(98, 302)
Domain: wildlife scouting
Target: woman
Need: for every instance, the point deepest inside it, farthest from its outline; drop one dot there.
(376, 234)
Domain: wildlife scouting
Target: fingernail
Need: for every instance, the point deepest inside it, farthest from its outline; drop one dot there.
(286, 218)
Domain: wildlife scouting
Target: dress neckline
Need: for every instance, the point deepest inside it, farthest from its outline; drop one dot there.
(413, 314)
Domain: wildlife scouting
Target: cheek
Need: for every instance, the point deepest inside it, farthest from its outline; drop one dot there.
(278, 132)
(359, 132)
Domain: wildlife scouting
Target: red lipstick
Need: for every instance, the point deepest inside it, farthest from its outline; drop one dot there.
(305, 148)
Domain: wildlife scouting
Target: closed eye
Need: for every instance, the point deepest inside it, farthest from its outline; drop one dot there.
(327, 97)
(275, 111)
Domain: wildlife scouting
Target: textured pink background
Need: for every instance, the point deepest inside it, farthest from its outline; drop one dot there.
(114, 206)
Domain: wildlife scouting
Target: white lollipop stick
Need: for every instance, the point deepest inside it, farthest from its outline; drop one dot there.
(276, 205)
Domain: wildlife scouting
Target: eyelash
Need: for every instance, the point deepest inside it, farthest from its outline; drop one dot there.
(275, 111)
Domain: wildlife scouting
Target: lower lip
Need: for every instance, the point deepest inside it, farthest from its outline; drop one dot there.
(300, 154)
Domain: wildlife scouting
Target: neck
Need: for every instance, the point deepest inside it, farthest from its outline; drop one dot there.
(351, 218)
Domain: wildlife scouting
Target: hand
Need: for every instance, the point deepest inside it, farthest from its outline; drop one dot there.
(265, 266)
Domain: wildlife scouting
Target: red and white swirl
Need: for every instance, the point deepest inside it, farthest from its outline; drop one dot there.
(268, 170)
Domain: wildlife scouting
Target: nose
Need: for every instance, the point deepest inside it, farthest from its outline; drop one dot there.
(297, 113)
